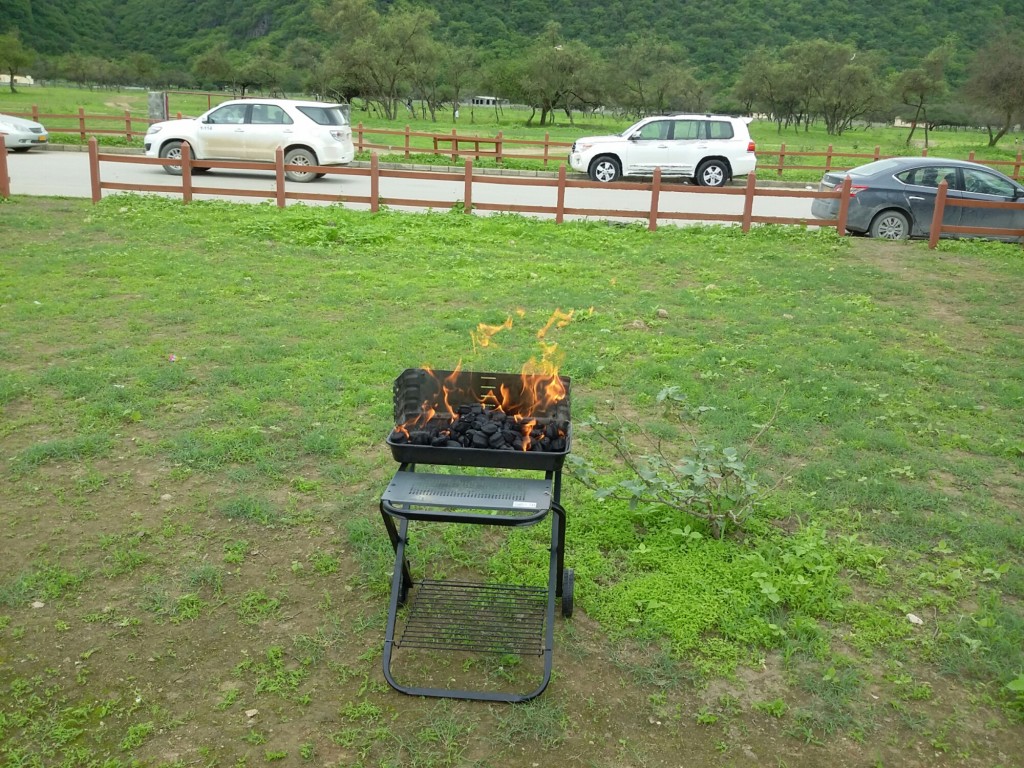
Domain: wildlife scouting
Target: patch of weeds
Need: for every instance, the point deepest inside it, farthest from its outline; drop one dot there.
(123, 554)
(271, 755)
(234, 551)
(43, 581)
(249, 508)
(206, 576)
(706, 717)
(136, 735)
(324, 563)
(187, 608)
(774, 708)
(75, 448)
(273, 674)
(439, 737)
(373, 553)
(541, 721)
(256, 606)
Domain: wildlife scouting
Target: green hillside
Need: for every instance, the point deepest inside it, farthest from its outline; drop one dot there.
(716, 35)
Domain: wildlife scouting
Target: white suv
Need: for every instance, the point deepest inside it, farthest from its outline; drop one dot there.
(706, 149)
(310, 133)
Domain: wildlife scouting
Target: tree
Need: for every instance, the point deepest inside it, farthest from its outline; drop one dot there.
(15, 57)
(558, 74)
(648, 77)
(996, 83)
(920, 86)
(839, 87)
(377, 53)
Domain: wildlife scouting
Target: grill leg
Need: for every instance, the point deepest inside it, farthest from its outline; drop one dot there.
(396, 540)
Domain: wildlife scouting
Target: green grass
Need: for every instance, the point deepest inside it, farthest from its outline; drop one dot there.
(212, 519)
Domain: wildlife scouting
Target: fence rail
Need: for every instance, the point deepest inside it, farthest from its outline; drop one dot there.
(653, 213)
(457, 146)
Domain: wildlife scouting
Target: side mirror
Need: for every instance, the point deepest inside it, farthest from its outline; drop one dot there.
(635, 136)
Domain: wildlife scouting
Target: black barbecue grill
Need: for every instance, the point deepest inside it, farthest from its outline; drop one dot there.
(448, 418)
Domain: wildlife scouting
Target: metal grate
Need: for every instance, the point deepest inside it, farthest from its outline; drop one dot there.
(485, 618)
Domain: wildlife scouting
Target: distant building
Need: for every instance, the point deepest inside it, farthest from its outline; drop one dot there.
(487, 101)
(18, 80)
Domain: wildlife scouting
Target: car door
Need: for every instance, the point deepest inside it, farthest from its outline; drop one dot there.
(921, 191)
(268, 128)
(222, 133)
(688, 146)
(647, 148)
(983, 185)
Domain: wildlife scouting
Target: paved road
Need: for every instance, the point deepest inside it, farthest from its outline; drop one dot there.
(62, 173)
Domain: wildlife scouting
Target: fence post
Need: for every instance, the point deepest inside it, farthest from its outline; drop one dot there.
(828, 159)
(782, 159)
(35, 113)
(359, 140)
(924, 152)
(94, 169)
(1016, 165)
(878, 152)
(81, 122)
(374, 183)
(186, 173)
(279, 189)
(652, 217)
(560, 200)
(844, 205)
(455, 147)
(498, 141)
(748, 202)
(547, 138)
(940, 209)
(128, 125)
(5, 180)
(970, 157)
(467, 198)
(407, 141)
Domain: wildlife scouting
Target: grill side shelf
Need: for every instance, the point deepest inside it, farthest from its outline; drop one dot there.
(518, 496)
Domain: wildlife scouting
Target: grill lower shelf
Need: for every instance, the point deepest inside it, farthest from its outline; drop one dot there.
(466, 616)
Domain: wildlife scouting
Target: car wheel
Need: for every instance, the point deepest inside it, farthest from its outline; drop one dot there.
(890, 225)
(300, 157)
(712, 173)
(171, 151)
(19, 150)
(605, 169)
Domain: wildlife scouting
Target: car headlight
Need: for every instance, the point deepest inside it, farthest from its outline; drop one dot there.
(583, 147)
(154, 129)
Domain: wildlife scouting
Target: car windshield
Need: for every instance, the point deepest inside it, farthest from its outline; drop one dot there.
(335, 114)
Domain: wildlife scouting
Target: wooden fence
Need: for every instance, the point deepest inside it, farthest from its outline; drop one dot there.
(455, 146)
(941, 201)
(653, 213)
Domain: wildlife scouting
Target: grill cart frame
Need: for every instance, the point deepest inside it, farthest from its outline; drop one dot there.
(458, 615)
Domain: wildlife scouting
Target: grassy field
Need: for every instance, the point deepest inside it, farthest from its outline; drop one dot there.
(486, 122)
(194, 403)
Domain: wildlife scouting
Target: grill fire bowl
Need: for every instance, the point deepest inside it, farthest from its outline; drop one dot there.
(416, 386)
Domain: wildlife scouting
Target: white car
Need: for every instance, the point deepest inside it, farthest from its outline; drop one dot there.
(311, 133)
(20, 135)
(706, 149)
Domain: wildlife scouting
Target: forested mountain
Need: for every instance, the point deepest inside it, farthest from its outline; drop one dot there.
(716, 34)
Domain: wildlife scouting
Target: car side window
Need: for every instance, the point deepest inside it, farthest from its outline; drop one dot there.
(230, 115)
(719, 129)
(269, 114)
(687, 130)
(984, 183)
(656, 130)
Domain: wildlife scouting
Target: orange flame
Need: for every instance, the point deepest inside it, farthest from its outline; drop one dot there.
(541, 388)
(484, 333)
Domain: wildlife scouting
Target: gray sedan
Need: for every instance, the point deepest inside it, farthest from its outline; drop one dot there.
(20, 135)
(895, 198)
